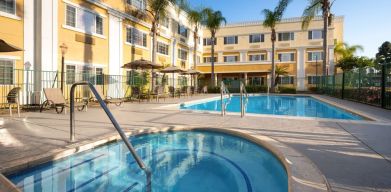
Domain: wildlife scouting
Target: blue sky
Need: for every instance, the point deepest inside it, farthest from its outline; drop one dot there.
(367, 22)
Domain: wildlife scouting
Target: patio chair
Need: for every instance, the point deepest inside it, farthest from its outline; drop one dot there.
(13, 98)
(204, 89)
(55, 99)
(158, 93)
(136, 93)
(186, 91)
(108, 99)
(173, 92)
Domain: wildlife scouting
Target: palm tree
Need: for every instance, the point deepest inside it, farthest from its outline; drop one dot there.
(280, 71)
(315, 7)
(271, 20)
(157, 12)
(195, 18)
(345, 50)
(213, 21)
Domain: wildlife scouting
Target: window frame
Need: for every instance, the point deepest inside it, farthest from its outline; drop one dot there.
(67, 74)
(312, 59)
(261, 38)
(13, 78)
(227, 38)
(186, 30)
(292, 57)
(76, 27)
(14, 10)
(291, 36)
(165, 44)
(144, 35)
(230, 56)
(207, 41)
(143, 6)
(180, 52)
(260, 55)
(101, 75)
(209, 59)
(311, 35)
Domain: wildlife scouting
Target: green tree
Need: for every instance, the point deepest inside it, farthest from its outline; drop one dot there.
(271, 20)
(195, 18)
(213, 21)
(383, 57)
(345, 50)
(314, 8)
(280, 71)
(352, 62)
(157, 11)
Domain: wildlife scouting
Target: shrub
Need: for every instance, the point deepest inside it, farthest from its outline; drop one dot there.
(256, 89)
(213, 89)
(313, 89)
(289, 90)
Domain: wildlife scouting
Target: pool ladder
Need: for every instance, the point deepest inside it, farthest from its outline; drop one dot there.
(130, 147)
(224, 93)
(243, 102)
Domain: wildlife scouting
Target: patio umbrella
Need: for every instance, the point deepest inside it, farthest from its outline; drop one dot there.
(5, 47)
(142, 64)
(192, 72)
(172, 69)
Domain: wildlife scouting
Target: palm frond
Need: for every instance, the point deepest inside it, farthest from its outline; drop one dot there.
(313, 9)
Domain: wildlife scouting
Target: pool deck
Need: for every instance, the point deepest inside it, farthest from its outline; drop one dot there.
(353, 155)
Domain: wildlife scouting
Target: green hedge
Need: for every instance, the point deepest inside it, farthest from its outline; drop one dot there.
(256, 89)
(289, 90)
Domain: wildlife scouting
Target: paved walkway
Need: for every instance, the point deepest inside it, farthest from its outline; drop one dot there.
(354, 156)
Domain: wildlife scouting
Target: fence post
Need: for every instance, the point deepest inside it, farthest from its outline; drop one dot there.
(383, 86)
(343, 86)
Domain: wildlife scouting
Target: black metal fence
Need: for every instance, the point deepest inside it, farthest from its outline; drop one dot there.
(368, 85)
(33, 82)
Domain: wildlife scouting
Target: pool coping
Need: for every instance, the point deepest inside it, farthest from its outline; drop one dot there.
(367, 118)
(303, 174)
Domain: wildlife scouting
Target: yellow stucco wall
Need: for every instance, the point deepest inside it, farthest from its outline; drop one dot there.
(96, 53)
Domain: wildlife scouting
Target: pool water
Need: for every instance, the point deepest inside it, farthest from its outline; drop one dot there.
(303, 106)
(185, 161)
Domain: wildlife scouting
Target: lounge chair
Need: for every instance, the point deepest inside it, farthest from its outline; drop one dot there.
(108, 99)
(204, 89)
(13, 98)
(55, 99)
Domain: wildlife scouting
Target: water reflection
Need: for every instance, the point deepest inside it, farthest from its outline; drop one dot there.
(280, 105)
(179, 161)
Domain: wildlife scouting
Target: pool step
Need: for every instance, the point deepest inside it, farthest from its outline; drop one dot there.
(131, 187)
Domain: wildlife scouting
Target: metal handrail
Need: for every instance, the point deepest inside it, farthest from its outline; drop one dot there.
(243, 105)
(224, 91)
(140, 163)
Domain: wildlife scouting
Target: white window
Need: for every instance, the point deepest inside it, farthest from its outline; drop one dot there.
(182, 54)
(283, 57)
(230, 40)
(84, 20)
(8, 6)
(231, 59)
(162, 48)
(315, 56)
(6, 72)
(165, 22)
(139, 4)
(289, 36)
(286, 80)
(208, 41)
(257, 38)
(135, 36)
(258, 57)
(70, 74)
(315, 34)
(182, 30)
(209, 59)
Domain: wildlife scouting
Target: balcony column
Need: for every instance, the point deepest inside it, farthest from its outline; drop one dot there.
(243, 56)
(245, 79)
(220, 57)
(300, 86)
(269, 55)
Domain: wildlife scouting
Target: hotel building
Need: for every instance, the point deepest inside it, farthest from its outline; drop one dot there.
(101, 36)
(243, 51)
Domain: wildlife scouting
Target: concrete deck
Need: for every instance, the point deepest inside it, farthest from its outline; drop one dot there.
(353, 155)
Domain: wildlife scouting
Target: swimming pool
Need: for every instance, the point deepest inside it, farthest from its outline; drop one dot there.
(180, 161)
(303, 106)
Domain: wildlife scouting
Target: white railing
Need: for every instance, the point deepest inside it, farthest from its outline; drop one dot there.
(243, 102)
(224, 93)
